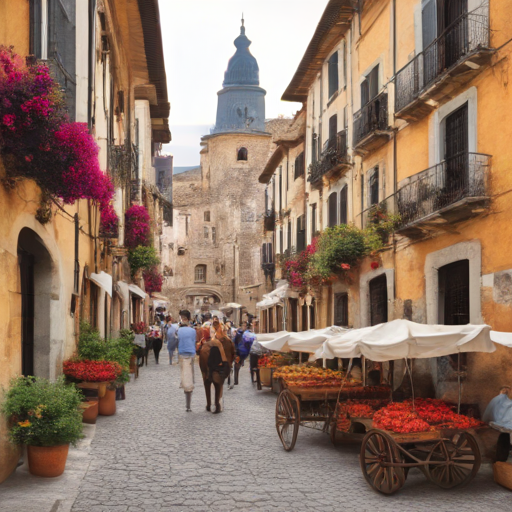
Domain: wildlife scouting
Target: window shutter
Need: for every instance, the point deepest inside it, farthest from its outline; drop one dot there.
(373, 79)
(343, 205)
(365, 92)
(374, 186)
(333, 74)
(333, 130)
(429, 22)
(333, 207)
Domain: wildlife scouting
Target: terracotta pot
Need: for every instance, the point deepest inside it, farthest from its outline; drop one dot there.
(90, 411)
(107, 403)
(47, 461)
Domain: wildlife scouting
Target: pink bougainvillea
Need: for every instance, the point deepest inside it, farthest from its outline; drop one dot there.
(109, 221)
(153, 280)
(296, 268)
(137, 227)
(38, 142)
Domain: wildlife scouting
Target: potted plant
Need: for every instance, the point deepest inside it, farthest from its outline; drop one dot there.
(44, 416)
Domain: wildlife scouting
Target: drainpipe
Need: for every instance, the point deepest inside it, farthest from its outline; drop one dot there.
(92, 40)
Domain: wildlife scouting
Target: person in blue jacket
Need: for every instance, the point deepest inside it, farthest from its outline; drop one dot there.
(187, 353)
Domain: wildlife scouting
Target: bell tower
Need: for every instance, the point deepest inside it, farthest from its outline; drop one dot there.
(241, 101)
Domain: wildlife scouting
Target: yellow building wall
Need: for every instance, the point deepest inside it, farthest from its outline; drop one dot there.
(14, 25)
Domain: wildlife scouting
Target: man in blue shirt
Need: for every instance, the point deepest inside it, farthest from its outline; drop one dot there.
(187, 353)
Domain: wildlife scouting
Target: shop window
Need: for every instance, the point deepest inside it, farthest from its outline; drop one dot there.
(200, 274)
(242, 154)
(378, 300)
(341, 309)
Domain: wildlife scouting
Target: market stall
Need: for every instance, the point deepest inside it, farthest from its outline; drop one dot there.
(429, 435)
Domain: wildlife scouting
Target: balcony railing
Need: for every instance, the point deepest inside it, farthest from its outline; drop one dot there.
(123, 163)
(334, 153)
(373, 117)
(444, 185)
(468, 35)
(379, 213)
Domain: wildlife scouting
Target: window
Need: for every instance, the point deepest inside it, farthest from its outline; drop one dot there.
(289, 237)
(345, 77)
(186, 226)
(206, 233)
(341, 309)
(314, 150)
(281, 241)
(207, 216)
(313, 220)
(267, 254)
(333, 74)
(343, 205)
(214, 235)
(299, 166)
(374, 186)
(454, 293)
(378, 300)
(370, 86)
(242, 154)
(332, 208)
(333, 130)
(39, 28)
(301, 233)
(200, 274)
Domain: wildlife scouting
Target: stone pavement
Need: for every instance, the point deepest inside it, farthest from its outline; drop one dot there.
(153, 456)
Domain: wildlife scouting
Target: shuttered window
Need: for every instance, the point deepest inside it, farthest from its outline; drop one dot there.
(344, 205)
(378, 300)
(341, 309)
(267, 254)
(370, 86)
(313, 220)
(301, 233)
(333, 74)
(333, 209)
(299, 166)
(429, 22)
(374, 186)
(333, 130)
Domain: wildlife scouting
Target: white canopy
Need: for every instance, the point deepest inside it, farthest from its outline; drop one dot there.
(137, 291)
(273, 298)
(401, 338)
(103, 280)
(503, 338)
(306, 341)
(231, 305)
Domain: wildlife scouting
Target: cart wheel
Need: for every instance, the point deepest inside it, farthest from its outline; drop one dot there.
(458, 461)
(379, 448)
(287, 418)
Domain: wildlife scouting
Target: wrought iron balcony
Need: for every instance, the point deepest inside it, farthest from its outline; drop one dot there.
(448, 62)
(371, 127)
(451, 191)
(123, 163)
(379, 213)
(334, 158)
(269, 221)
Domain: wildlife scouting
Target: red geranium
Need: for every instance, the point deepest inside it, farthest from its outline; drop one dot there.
(92, 371)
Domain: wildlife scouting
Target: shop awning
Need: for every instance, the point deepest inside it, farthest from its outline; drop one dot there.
(503, 338)
(231, 305)
(401, 339)
(137, 291)
(273, 298)
(103, 280)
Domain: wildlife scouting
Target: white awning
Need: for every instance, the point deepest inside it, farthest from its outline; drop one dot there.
(103, 280)
(401, 338)
(503, 338)
(273, 298)
(137, 291)
(231, 305)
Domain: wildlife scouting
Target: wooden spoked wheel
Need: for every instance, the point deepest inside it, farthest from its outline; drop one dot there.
(379, 454)
(287, 418)
(458, 461)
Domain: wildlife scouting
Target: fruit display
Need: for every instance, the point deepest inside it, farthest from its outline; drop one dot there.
(276, 360)
(356, 409)
(309, 376)
(426, 415)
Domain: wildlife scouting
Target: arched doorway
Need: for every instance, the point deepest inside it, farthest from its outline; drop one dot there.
(35, 265)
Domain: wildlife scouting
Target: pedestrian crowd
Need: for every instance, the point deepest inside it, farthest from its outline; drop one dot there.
(220, 347)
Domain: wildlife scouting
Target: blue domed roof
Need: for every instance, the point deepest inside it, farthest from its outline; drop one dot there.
(242, 67)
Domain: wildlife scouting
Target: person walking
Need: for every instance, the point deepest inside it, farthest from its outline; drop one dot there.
(156, 335)
(187, 353)
(171, 338)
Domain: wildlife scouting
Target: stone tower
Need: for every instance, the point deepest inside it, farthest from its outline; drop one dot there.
(241, 101)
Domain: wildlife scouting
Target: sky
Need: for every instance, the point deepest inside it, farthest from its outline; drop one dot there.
(198, 40)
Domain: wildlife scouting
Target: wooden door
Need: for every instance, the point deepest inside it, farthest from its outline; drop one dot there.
(378, 300)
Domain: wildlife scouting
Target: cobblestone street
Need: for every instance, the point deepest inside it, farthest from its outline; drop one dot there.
(153, 456)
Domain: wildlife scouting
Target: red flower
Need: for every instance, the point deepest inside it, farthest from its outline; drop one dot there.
(345, 266)
(374, 265)
(92, 371)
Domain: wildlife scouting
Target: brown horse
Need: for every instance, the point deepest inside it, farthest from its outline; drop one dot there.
(215, 379)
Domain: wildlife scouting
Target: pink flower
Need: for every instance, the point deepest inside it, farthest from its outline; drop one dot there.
(29, 158)
(345, 266)
(9, 119)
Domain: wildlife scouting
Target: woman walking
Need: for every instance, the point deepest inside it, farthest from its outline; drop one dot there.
(187, 353)
(171, 338)
(156, 335)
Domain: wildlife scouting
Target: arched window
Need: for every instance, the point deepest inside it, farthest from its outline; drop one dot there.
(242, 154)
(200, 274)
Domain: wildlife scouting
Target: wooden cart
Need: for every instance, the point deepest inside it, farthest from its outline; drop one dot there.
(314, 407)
(449, 458)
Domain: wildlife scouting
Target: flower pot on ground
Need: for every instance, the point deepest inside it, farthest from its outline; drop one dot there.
(47, 461)
(46, 417)
(89, 410)
(107, 403)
